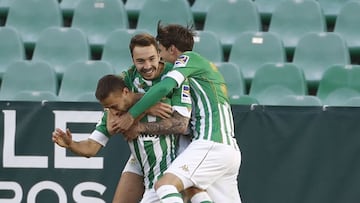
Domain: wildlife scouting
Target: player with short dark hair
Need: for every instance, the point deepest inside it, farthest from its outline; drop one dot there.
(212, 160)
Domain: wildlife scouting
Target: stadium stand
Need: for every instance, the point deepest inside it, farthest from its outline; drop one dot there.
(331, 9)
(346, 25)
(4, 7)
(243, 16)
(200, 9)
(250, 50)
(11, 48)
(133, 8)
(41, 13)
(299, 100)
(353, 101)
(80, 80)
(67, 8)
(290, 24)
(233, 78)
(97, 19)
(244, 100)
(115, 52)
(33, 77)
(316, 52)
(266, 8)
(155, 10)
(338, 84)
(60, 47)
(274, 81)
(208, 45)
(35, 96)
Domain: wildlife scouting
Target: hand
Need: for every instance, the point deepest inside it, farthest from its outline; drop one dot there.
(132, 133)
(61, 138)
(161, 110)
(122, 123)
(109, 124)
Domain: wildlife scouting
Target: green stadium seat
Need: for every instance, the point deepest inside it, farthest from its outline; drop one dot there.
(73, 87)
(98, 18)
(35, 96)
(4, 7)
(28, 76)
(67, 7)
(274, 81)
(353, 101)
(316, 52)
(133, 8)
(208, 45)
(339, 83)
(168, 11)
(200, 9)
(331, 8)
(60, 47)
(116, 50)
(30, 17)
(233, 78)
(11, 48)
(230, 18)
(253, 49)
(346, 25)
(244, 100)
(290, 24)
(299, 100)
(266, 8)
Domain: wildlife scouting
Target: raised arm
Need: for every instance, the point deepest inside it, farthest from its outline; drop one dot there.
(87, 148)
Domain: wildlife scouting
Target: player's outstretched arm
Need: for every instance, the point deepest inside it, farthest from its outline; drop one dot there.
(87, 148)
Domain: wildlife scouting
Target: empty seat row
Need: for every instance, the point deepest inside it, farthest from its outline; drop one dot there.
(273, 83)
(36, 81)
(62, 46)
(284, 84)
(288, 20)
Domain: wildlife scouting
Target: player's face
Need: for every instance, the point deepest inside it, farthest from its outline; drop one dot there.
(146, 59)
(166, 54)
(117, 102)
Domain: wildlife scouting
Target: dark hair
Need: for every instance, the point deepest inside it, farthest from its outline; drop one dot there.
(179, 36)
(108, 84)
(143, 40)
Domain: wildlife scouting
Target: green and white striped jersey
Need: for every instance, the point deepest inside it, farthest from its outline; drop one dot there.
(211, 113)
(153, 152)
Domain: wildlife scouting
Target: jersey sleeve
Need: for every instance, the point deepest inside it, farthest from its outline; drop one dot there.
(101, 134)
(181, 99)
(186, 65)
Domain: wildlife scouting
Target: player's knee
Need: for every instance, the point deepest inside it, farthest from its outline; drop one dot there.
(169, 179)
(190, 192)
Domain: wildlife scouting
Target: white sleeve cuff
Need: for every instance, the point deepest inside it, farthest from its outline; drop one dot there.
(177, 76)
(182, 110)
(99, 137)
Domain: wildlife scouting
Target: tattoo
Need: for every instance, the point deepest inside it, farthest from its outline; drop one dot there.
(177, 124)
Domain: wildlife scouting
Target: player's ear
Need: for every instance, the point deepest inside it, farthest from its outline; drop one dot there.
(125, 90)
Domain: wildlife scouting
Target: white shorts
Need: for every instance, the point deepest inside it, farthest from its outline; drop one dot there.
(133, 166)
(210, 166)
(183, 143)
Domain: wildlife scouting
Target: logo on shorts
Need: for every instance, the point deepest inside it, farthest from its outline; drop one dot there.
(185, 168)
(181, 61)
(132, 160)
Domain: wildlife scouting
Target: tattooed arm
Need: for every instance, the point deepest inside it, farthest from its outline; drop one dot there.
(177, 124)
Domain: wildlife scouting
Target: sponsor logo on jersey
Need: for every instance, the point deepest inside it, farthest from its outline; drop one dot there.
(181, 61)
(185, 94)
